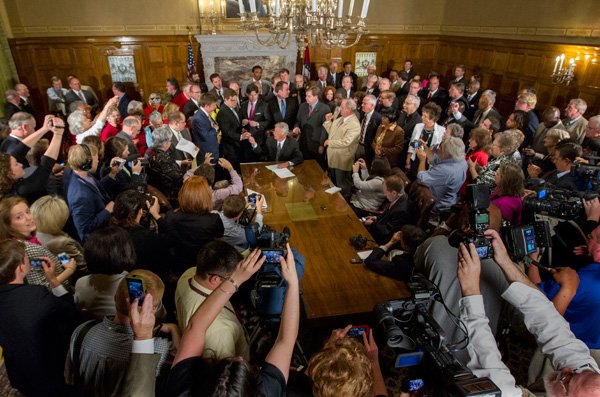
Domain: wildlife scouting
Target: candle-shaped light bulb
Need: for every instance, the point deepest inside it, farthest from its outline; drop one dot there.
(562, 60)
(242, 8)
(365, 8)
(556, 60)
(340, 8)
(314, 5)
(350, 8)
(253, 6)
(278, 8)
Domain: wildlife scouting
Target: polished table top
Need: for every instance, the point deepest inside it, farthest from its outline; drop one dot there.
(321, 225)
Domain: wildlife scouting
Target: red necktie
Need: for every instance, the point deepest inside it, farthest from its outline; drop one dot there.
(251, 110)
(310, 110)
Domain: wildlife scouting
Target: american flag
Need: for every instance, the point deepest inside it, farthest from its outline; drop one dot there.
(306, 69)
(191, 63)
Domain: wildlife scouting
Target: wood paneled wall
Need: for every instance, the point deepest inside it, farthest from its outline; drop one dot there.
(156, 58)
(505, 65)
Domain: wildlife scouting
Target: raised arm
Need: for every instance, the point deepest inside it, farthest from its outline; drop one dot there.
(281, 353)
(192, 341)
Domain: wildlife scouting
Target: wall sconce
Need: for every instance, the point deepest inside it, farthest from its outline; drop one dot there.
(209, 14)
(563, 74)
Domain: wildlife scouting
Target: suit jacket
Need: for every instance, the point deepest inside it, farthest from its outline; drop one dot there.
(537, 143)
(312, 126)
(231, 131)
(261, 115)
(27, 107)
(344, 93)
(123, 104)
(265, 86)
(567, 181)
(132, 148)
(178, 154)
(289, 152)
(370, 131)
(189, 108)
(71, 97)
(140, 380)
(218, 95)
(334, 82)
(204, 135)
(440, 97)
(87, 202)
(373, 91)
(402, 90)
(577, 129)
(354, 79)
(472, 105)
(478, 118)
(15, 148)
(392, 219)
(391, 141)
(342, 142)
(319, 84)
(291, 109)
(10, 109)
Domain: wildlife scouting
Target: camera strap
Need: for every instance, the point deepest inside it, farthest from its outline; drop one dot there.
(204, 294)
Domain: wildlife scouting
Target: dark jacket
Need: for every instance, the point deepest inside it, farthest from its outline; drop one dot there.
(392, 219)
(15, 148)
(289, 152)
(164, 173)
(35, 329)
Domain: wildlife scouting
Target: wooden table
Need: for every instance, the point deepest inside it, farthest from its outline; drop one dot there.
(321, 225)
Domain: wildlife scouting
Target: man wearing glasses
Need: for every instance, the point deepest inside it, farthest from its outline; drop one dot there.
(216, 262)
(191, 106)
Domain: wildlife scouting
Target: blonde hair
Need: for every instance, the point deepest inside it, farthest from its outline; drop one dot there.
(78, 156)
(342, 368)
(152, 282)
(50, 214)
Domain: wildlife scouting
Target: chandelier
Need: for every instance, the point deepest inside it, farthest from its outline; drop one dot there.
(309, 22)
(560, 74)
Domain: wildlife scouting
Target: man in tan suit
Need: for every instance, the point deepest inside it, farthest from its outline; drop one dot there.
(575, 123)
(343, 134)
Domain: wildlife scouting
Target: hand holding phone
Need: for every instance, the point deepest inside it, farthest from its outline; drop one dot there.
(136, 288)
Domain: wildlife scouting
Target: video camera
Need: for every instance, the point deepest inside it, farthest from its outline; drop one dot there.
(418, 339)
(478, 201)
(521, 241)
(553, 202)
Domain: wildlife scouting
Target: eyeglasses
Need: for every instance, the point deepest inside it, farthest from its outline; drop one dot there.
(154, 99)
(219, 275)
(196, 92)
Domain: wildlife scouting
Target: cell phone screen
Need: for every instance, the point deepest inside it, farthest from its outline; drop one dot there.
(136, 290)
(272, 255)
(63, 257)
(357, 332)
(35, 263)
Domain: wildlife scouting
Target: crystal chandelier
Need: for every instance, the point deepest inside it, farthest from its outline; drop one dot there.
(310, 22)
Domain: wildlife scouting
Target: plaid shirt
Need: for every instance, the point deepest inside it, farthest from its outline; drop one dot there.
(37, 276)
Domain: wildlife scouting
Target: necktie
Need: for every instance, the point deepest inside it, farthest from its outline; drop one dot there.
(251, 113)
(279, 147)
(363, 129)
(310, 110)
(82, 97)
(282, 109)
(333, 79)
(429, 95)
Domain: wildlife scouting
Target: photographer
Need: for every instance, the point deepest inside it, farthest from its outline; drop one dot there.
(564, 157)
(233, 209)
(208, 171)
(163, 171)
(369, 194)
(130, 175)
(577, 373)
(345, 367)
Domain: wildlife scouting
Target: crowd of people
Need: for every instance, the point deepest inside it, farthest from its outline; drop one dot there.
(152, 192)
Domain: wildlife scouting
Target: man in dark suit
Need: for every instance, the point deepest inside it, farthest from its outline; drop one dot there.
(177, 126)
(204, 128)
(217, 89)
(459, 75)
(257, 79)
(299, 91)
(368, 127)
(279, 147)
(118, 90)
(309, 126)
(230, 122)
(283, 108)
(332, 75)
(322, 81)
(77, 94)
(12, 103)
(408, 68)
(486, 108)
(346, 89)
(256, 119)
(434, 93)
(25, 99)
(563, 158)
(129, 131)
(23, 136)
(403, 84)
(348, 72)
(398, 212)
(472, 95)
(191, 106)
(456, 97)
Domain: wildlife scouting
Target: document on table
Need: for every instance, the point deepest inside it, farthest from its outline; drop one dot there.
(187, 146)
(333, 190)
(364, 254)
(282, 173)
(250, 191)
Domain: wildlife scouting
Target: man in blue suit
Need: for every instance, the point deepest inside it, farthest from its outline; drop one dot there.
(205, 129)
